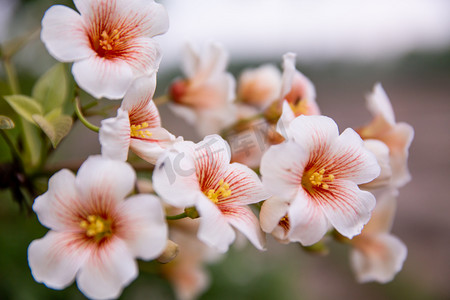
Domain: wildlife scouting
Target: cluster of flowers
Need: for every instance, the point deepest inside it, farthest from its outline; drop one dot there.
(314, 181)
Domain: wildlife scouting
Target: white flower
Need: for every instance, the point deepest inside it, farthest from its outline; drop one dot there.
(296, 89)
(95, 234)
(204, 97)
(259, 87)
(318, 171)
(110, 42)
(377, 255)
(397, 136)
(137, 125)
(201, 175)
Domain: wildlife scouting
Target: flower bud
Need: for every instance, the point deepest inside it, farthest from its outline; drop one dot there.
(169, 253)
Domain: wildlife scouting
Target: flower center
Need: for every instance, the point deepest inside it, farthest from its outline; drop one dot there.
(223, 191)
(107, 41)
(300, 107)
(140, 131)
(317, 179)
(96, 227)
(284, 223)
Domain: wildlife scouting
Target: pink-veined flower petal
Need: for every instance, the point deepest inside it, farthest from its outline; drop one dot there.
(103, 78)
(150, 149)
(245, 186)
(55, 208)
(138, 102)
(174, 176)
(107, 271)
(314, 131)
(272, 211)
(56, 258)
(379, 259)
(351, 160)
(243, 219)
(281, 174)
(214, 230)
(146, 228)
(104, 180)
(115, 137)
(64, 35)
(347, 207)
(308, 223)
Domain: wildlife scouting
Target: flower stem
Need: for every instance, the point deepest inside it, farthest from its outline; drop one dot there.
(14, 152)
(12, 76)
(177, 217)
(80, 116)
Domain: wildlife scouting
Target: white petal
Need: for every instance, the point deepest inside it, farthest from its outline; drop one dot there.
(102, 77)
(103, 179)
(399, 141)
(212, 157)
(351, 160)
(307, 221)
(142, 17)
(283, 125)
(174, 176)
(56, 258)
(140, 94)
(57, 209)
(384, 211)
(288, 73)
(347, 207)
(381, 152)
(245, 186)
(143, 56)
(214, 229)
(145, 227)
(64, 35)
(114, 136)
(282, 167)
(272, 211)
(243, 219)
(109, 269)
(314, 132)
(151, 149)
(380, 259)
(378, 103)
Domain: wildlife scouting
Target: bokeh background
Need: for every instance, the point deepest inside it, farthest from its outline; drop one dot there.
(344, 47)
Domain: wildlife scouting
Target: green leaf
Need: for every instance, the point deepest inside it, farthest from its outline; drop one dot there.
(32, 143)
(55, 125)
(6, 123)
(24, 106)
(51, 89)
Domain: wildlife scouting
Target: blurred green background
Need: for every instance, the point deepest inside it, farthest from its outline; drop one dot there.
(418, 84)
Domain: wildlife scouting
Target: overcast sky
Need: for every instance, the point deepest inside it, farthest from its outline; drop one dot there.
(314, 29)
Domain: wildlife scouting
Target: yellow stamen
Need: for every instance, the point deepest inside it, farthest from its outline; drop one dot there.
(107, 41)
(317, 179)
(96, 227)
(136, 131)
(222, 191)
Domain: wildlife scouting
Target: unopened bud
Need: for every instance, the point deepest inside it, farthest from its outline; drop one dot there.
(169, 253)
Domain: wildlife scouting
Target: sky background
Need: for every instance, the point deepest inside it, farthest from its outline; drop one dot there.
(320, 30)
